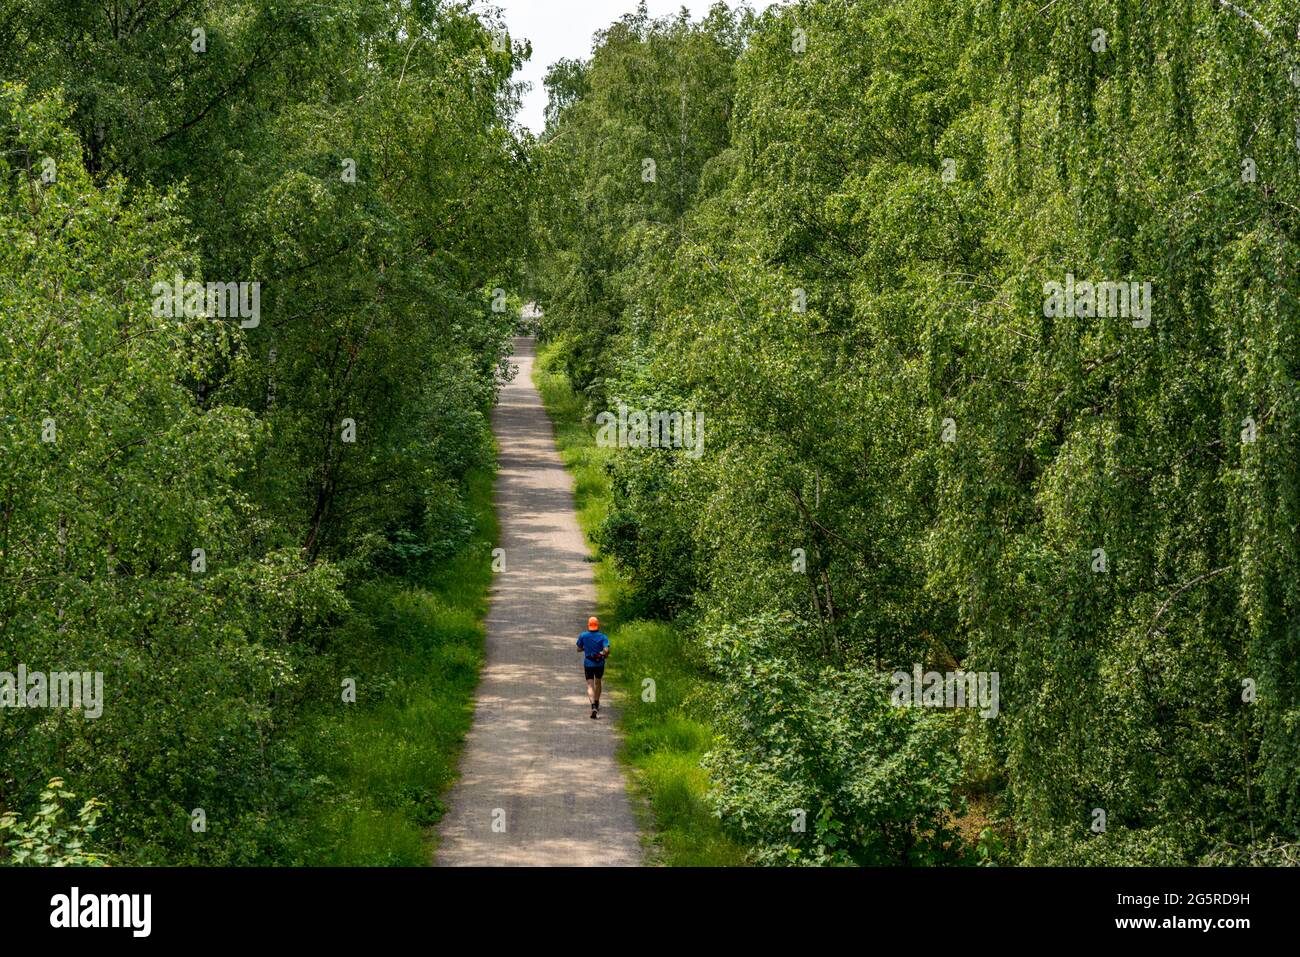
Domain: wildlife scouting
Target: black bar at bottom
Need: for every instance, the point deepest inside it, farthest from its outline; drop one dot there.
(440, 907)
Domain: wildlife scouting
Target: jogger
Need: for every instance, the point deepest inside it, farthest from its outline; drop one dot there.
(594, 645)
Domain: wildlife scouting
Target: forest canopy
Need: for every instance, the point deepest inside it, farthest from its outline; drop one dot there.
(991, 312)
(193, 500)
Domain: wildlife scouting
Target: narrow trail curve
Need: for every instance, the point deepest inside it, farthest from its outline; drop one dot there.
(533, 752)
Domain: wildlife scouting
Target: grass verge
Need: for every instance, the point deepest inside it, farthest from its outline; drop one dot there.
(663, 739)
(414, 647)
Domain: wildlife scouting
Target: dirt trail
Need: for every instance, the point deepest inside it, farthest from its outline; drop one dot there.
(533, 757)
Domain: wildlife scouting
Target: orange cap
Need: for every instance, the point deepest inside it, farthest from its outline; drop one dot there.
(592, 623)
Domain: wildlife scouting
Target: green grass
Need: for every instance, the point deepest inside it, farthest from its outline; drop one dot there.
(665, 739)
(414, 648)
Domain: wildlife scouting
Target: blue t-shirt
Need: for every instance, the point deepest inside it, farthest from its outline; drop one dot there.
(592, 643)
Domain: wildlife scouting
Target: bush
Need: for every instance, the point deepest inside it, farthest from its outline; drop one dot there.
(49, 838)
(822, 748)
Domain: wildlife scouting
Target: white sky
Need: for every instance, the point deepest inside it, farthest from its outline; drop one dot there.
(563, 28)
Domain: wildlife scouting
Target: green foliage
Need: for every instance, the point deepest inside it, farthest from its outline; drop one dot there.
(605, 119)
(816, 767)
(49, 838)
(357, 162)
(915, 175)
(413, 647)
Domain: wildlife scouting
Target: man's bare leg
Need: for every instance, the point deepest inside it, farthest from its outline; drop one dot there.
(593, 695)
(595, 700)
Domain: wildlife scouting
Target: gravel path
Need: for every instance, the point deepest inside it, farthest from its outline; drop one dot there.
(534, 762)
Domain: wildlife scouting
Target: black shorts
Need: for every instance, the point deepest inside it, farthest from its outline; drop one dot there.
(594, 671)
